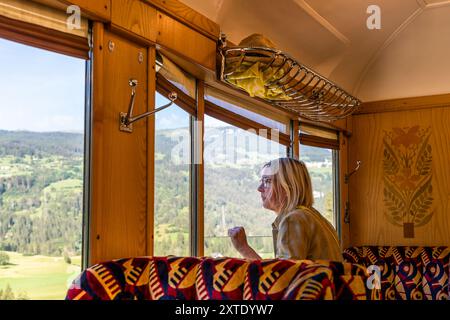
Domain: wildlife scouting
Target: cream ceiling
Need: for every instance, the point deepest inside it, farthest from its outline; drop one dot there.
(408, 56)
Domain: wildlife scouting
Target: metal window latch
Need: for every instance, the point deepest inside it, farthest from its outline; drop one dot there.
(126, 119)
(348, 175)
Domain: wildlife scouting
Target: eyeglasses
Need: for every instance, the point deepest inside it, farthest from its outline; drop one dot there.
(266, 182)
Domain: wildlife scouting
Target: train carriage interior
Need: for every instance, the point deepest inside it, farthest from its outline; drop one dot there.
(149, 150)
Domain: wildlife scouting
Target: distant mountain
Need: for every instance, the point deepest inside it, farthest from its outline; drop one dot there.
(21, 143)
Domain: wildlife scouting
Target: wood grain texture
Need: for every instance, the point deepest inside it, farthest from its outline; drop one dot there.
(42, 15)
(136, 17)
(40, 37)
(151, 151)
(119, 195)
(99, 10)
(406, 104)
(368, 223)
(188, 16)
(186, 42)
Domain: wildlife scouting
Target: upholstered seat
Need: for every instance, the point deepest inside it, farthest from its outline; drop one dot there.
(407, 273)
(189, 278)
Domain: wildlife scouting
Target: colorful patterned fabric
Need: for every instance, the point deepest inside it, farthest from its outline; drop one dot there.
(313, 282)
(407, 273)
(331, 280)
(269, 279)
(189, 278)
(221, 279)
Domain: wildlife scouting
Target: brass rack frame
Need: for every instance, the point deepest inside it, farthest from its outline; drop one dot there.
(310, 94)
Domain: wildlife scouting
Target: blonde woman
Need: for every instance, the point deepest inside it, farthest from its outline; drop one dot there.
(299, 231)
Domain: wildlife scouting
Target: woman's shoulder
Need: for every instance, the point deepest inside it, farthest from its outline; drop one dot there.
(296, 215)
(302, 214)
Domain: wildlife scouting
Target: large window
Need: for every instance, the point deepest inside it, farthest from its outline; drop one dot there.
(172, 180)
(233, 158)
(42, 107)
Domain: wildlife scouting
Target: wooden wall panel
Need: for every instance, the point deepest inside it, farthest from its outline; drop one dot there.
(135, 16)
(368, 224)
(94, 9)
(119, 193)
(186, 42)
(188, 16)
(406, 104)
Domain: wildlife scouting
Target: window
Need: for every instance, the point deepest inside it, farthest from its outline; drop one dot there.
(42, 134)
(172, 180)
(320, 164)
(233, 158)
(319, 150)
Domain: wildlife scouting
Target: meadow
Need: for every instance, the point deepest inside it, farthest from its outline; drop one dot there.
(39, 277)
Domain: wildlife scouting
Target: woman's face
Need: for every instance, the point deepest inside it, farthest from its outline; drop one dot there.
(265, 187)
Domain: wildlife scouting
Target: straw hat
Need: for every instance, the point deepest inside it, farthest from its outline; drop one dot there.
(257, 40)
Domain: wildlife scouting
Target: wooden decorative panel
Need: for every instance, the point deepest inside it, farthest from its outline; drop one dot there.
(407, 162)
(408, 152)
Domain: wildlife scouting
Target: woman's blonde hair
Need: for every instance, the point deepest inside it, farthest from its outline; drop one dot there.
(291, 183)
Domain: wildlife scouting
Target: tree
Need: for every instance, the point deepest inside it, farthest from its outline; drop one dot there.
(7, 294)
(4, 259)
(67, 258)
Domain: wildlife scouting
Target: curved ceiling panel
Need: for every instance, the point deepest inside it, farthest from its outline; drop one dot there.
(331, 37)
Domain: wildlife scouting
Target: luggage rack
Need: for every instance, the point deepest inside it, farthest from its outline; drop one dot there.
(301, 89)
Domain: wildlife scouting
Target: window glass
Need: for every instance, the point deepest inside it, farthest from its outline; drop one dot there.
(42, 111)
(319, 162)
(233, 159)
(248, 114)
(172, 180)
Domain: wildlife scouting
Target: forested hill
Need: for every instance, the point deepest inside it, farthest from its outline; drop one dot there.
(40, 144)
(41, 198)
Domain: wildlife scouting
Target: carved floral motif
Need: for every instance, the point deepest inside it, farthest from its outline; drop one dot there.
(407, 172)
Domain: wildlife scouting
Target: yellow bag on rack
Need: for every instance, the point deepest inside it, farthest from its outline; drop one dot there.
(253, 77)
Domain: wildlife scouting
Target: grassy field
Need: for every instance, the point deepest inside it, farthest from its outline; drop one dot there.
(39, 277)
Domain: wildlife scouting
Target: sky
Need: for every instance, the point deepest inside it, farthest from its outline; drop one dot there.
(45, 91)
(40, 90)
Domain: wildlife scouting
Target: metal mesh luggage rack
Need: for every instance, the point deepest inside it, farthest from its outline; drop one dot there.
(301, 89)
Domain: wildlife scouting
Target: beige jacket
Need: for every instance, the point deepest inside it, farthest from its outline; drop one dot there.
(305, 234)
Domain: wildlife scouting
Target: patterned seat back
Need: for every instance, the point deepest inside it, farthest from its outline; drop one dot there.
(189, 278)
(407, 273)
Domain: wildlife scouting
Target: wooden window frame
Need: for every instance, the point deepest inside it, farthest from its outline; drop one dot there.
(314, 141)
(44, 38)
(184, 101)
